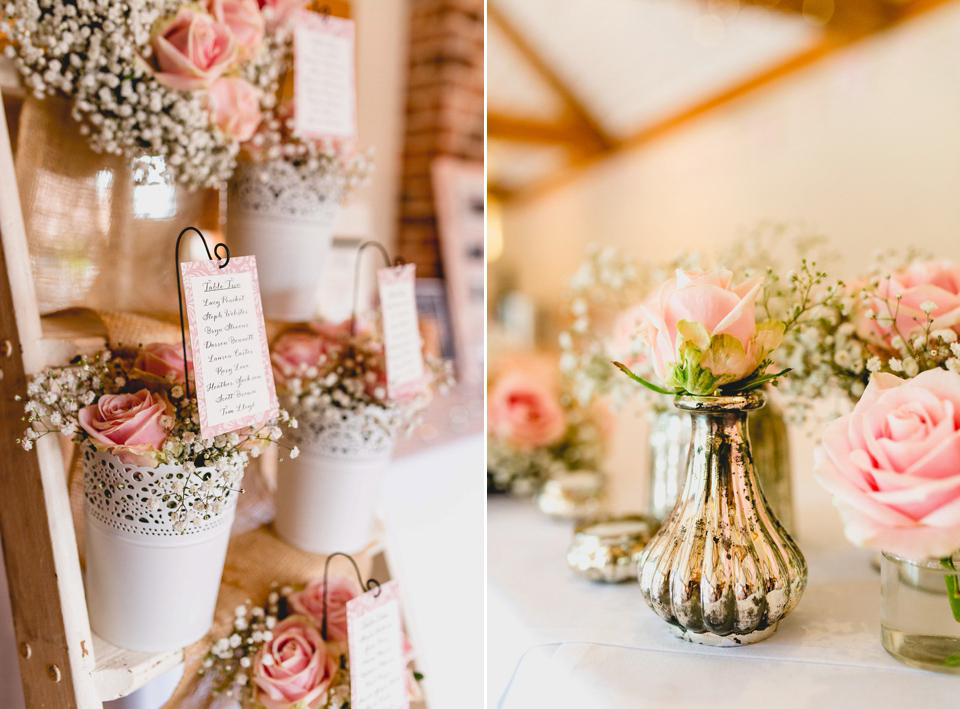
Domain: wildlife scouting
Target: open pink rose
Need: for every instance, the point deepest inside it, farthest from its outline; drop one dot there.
(936, 283)
(294, 669)
(893, 465)
(235, 107)
(192, 49)
(162, 360)
(244, 19)
(309, 603)
(278, 13)
(127, 425)
(524, 409)
(297, 350)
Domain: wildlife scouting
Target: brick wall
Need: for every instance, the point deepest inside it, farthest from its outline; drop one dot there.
(444, 114)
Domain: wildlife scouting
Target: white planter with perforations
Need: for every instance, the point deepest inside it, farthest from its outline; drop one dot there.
(149, 588)
(326, 497)
(286, 220)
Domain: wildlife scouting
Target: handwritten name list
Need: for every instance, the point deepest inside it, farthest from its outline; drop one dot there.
(231, 359)
(375, 638)
(324, 85)
(401, 329)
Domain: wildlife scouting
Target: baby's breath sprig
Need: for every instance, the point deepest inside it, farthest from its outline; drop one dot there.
(351, 376)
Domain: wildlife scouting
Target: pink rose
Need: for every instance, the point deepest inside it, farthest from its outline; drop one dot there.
(714, 307)
(192, 50)
(279, 12)
(127, 425)
(309, 603)
(893, 465)
(161, 359)
(294, 668)
(244, 20)
(295, 351)
(235, 107)
(524, 409)
(921, 284)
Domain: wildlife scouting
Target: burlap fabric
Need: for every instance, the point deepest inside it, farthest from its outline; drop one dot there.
(256, 557)
(101, 229)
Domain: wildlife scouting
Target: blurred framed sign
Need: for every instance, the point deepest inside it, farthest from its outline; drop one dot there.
(459, 190)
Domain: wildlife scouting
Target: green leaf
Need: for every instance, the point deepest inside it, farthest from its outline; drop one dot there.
(640, 380)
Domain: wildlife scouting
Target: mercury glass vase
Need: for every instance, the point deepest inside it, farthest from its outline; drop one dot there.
(669, 443)
(722, 570)
(920, 625)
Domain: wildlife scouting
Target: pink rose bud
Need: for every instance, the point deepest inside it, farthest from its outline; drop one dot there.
(309, 603)
(126, 425)
(923, 285)
(893, 465)
(192, 50)
(235, 106)
(161, 360)
(244, 20)
(300, 669)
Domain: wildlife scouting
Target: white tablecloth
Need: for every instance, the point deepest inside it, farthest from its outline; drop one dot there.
(596, 645)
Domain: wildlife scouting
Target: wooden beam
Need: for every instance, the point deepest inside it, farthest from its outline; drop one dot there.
(832, 42)
(546, 72)
(527, 130)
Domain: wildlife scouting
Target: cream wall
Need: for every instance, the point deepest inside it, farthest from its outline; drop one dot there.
(864, 145)
(382, 50)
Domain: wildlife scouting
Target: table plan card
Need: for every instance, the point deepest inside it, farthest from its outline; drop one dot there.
(324, 82)
(401, 329)
(231, 356)
(375, 638)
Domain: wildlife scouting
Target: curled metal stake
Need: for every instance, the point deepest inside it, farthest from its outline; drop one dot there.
(176, 259)
(369, 585)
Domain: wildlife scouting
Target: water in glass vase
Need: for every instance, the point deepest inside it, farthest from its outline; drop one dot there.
(920, 612)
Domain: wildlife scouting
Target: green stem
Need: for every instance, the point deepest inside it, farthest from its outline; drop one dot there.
(652, 387)
(953, 590)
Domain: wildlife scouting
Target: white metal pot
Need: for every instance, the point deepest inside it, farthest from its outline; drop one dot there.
(149, 588)
(286, 221)
(326, 497)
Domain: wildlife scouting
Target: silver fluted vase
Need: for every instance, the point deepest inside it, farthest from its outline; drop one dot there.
(669, 442)
(722, 570)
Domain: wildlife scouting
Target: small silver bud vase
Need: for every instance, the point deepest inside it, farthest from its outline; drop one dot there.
(722, 570)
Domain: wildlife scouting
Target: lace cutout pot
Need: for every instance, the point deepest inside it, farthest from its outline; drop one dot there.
(149, 588)
(286, 221)
(326, 497)
(669, 443)
(722, 570)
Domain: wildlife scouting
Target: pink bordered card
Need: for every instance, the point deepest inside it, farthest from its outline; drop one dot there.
(375, 640)
(324, 81)
(231, 355)
(403, 348)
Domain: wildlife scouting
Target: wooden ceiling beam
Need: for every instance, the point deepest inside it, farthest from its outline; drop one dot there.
(527, 130)
(533, 58)
(832, 41)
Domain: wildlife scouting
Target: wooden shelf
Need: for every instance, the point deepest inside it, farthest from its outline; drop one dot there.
(119, 672)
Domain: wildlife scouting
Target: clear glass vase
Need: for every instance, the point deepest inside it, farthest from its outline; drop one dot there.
(920, 625)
